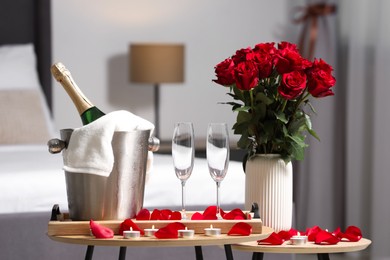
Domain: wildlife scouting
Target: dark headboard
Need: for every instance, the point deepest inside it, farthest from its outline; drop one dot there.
(26, 21)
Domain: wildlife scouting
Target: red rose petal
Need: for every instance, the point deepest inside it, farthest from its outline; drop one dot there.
(273, 239)
(156, 215)
(352, 234)
(234, 214)
(197, 216)
(127, 224)
(100, 231)
(222, 212)
(337, 232)
(240, 229)
(325, 237)
(210, 213)
(166, 214)
(311, 233)
(176, 215)
(286, 235)
(143, 214)
(169, 231)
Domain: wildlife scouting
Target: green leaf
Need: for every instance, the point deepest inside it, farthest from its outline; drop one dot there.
(281, 117)
(260, 110)
(298, 139)
(297, 152)
(309, 127)
(297, 147)
(243, 142)
(243, 116)
(242, 108)
(314, 134)
(238, 93)
(261, 97)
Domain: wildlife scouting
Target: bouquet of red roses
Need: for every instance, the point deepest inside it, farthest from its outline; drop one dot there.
(271, 88)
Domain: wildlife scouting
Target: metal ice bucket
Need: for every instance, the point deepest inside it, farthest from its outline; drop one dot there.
(120, 195)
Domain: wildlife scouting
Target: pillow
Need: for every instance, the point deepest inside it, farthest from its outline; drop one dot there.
(18, 67)
(22, 117)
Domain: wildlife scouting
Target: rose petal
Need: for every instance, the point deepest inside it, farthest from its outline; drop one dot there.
(325, 237)
(286, 235)
(311, 233)
(176, 215)
(197, 216)
(165, 214)
(352, 234)
(169, 231)
(222, 212)
(156, 215)
(210, 213)
(127, 224)
(337, 232)
(143, 214)
(240, 229)
(273, 239)
(100, 231)
(234, 214)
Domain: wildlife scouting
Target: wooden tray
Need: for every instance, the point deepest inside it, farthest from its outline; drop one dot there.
(68, 227)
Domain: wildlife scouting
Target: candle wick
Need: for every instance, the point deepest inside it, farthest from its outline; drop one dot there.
(131, 228)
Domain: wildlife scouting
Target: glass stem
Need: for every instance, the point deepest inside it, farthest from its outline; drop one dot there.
(218, 203)
(183, 207)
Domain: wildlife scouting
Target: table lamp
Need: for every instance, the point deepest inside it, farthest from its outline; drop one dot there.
(155, 64)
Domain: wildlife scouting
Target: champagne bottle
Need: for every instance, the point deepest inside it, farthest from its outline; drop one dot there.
(88, 112)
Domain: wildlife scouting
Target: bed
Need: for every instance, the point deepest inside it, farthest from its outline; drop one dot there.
(32, 179)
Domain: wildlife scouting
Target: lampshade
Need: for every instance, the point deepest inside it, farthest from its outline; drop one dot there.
(156, 63)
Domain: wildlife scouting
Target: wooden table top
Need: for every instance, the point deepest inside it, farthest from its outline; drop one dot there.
(198, 240)
(308, 248)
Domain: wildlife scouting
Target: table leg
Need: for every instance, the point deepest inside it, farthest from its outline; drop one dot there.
(122, 253)
(257, 256)
(228, 252)
(323, 256)
(89, 253)
(198, 253)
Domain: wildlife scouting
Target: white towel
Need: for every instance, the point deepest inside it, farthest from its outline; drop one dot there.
(90, 150)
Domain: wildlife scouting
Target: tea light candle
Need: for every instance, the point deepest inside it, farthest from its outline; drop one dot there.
(186, 233)
(131, 234)
(212, 231)
(298, 239)
(149, 232)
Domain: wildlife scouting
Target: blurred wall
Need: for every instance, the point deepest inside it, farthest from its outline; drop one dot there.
(92, 37)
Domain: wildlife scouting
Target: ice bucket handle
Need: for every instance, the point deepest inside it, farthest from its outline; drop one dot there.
(56, 145)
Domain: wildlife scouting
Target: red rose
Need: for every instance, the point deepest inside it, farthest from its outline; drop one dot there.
(268, 48)
(263, 57)
(320, 79)
(289, 59)
(246, 74)
(243, 55)
(287, 45)
(225, 73)
(292, 85)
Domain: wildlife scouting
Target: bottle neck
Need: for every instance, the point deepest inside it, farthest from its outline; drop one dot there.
(63, 76)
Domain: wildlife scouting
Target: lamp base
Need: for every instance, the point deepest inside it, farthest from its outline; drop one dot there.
(156, 110)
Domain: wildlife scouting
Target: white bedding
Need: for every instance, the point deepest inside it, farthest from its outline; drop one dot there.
(32, 180)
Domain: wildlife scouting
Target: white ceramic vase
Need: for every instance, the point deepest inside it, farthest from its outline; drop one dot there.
(269, 183)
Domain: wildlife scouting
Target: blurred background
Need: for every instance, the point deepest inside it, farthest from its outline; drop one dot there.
(344, 178)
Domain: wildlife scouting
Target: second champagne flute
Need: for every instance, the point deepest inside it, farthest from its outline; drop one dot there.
(183, 153)
(217, 153)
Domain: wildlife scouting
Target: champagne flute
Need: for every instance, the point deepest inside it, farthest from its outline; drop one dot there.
(217, 153)
(183, 153)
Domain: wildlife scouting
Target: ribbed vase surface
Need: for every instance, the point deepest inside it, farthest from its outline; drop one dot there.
(269, 182)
